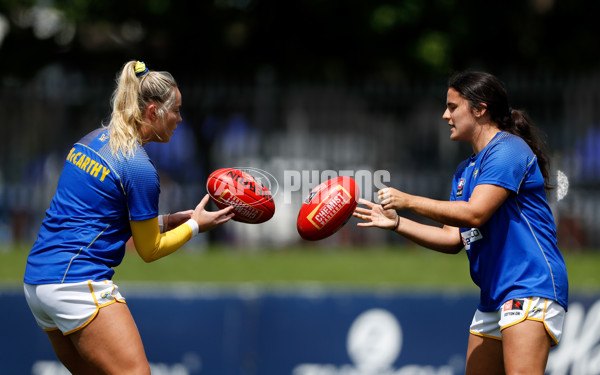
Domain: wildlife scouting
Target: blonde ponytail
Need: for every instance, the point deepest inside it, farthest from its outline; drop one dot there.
(137, 87)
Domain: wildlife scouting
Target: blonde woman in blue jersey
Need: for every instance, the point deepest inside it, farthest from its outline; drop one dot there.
(499, 214)
(107, 193)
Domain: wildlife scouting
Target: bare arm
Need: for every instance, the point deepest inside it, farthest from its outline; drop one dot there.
(482, 204)
(445, 240)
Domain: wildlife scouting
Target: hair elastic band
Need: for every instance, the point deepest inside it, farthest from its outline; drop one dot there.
(140, 69)
(397, 223)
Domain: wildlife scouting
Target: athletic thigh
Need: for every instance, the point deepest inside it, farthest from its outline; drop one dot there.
(68, 354)
(484, 356)
(112, 343)
(526, 346)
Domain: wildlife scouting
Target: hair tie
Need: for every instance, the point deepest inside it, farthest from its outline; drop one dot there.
(140, 69)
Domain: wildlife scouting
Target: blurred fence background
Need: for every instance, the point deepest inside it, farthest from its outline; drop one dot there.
(280, 127)
(301, 90)
(317, 87)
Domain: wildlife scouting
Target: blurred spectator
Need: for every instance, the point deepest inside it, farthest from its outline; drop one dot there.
(179, 158)
(587, 155)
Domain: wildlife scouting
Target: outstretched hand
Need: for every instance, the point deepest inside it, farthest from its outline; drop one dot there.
(208, 220)
(374, 215)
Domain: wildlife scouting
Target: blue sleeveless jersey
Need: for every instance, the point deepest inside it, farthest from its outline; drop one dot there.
(514, 254)
(84, 232)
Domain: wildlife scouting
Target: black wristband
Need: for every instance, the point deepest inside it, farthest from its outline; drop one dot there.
(397, 223)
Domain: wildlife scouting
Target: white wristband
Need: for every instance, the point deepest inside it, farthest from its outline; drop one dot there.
(194, 225)
(160, 224)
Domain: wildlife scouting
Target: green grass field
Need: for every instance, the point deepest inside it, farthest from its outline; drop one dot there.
(390, 267)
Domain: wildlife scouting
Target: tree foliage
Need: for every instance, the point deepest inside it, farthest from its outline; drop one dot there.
(331, 40)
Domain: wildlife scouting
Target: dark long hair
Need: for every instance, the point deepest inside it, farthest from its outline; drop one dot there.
(484, 88)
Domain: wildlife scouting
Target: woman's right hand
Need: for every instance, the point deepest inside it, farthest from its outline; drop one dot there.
(208, 220)
(391, 198)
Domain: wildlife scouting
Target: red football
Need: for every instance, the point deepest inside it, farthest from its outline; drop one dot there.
(327, 208)
(233, 187)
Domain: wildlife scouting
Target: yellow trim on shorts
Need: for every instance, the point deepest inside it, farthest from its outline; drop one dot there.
(486, 336)
(542, 320)
(526, 317)
(98, 307)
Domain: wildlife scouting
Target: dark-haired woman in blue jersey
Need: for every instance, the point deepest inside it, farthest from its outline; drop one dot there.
(499, 214)
(107, 193)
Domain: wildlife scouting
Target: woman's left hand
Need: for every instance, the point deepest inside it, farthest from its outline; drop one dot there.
(375, 216)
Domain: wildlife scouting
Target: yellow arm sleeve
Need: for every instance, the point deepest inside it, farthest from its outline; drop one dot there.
(152, 245)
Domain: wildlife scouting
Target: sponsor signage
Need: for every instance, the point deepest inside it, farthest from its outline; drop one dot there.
(307, 331)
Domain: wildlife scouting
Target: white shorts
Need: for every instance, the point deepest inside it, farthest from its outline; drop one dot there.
(70, 307)
(516, 310)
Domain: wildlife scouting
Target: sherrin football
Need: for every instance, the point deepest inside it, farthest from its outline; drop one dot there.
(252, 202)
(328, 207)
